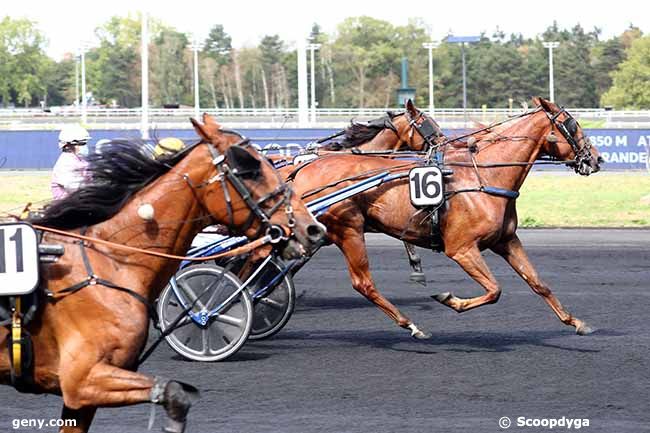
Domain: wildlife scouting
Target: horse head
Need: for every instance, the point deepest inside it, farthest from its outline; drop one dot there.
(572, 143)
(420, 130)
(249, 192)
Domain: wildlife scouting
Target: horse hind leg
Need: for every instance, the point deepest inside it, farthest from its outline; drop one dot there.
(106, 385)
(473, 263)
(417, 276)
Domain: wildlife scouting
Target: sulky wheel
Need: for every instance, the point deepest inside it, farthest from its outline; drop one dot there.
(212, 336)
(272, 309)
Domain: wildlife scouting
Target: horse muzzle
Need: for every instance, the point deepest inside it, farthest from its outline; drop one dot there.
(585, 167)
(304, 242)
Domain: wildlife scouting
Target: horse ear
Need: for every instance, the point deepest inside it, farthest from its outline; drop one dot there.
(548, 106)
(210, 121)
(200, 130)
(410, 107)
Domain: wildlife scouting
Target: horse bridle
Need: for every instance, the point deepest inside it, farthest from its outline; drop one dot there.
(428, 129)
(569, 128)
(226, 173)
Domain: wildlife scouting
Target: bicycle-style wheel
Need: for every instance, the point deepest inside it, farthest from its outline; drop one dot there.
(273, 309)
(223, 333)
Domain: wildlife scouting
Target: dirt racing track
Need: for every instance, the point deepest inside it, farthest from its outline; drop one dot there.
(341, 365)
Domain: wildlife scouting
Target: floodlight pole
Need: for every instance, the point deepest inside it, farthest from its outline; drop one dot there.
(551, 85)
(312, 89)
(462, 40)
(462, 53)
(144, 56)
(197, 105)
(84, 114)
(76, 81)
(430, 46)
(303, 111)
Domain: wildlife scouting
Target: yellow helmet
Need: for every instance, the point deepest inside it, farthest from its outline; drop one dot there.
(168, 146)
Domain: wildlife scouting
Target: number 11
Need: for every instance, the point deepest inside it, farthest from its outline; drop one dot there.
(18, 239)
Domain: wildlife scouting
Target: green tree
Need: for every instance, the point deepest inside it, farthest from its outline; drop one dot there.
(218, 44)
(23, 62)
(574, 77)
(170, 71)
(631, 81)
(606, 56)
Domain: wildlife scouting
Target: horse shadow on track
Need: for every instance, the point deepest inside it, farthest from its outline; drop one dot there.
(462, 342)
(307, 304)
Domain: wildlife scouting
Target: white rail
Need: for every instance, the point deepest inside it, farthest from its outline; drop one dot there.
(124, 118)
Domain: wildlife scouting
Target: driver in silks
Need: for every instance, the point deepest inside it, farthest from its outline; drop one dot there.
(70, 168)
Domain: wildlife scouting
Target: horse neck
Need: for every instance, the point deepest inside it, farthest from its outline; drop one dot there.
(516, 150)
(386, 139)
(178, 217)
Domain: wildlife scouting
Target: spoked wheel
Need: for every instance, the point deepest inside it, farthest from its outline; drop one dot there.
(223, 333)
(273, 309)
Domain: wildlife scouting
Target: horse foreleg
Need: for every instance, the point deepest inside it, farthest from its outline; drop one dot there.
(513, 252)
(353, 246)
(81, 418)
(417, 276)
(473, 263)
(107, 385)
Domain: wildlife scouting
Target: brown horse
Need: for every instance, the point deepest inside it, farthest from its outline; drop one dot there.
(87, 339)
(474, 216)
(411, 130)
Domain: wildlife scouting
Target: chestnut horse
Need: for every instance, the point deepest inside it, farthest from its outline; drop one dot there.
(471, 220)
(412, 130)
(87, 337)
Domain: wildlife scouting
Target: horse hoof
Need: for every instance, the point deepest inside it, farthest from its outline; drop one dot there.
(177, 401)
(418, 277)
(584, 329)
(442, 297)
(417, 334)
(174, 426)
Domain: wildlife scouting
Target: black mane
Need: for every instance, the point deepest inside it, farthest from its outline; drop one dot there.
(121, 169)
(359, 133)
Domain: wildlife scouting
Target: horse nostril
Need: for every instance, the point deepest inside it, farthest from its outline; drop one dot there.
(600, 160)
(315, 232)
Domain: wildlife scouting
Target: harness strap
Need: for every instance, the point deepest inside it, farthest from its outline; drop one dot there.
(234, 252)
(92, 280)
(491, 190)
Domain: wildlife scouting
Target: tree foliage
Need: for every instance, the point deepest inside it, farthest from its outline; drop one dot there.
(631, 81)
(356, 66)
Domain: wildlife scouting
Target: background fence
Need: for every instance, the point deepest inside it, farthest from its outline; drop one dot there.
(123, 118)
(622, 149)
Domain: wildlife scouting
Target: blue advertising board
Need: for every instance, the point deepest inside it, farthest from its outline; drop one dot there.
(622, 149)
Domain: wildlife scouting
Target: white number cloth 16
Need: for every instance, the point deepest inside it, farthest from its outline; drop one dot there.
(425, 186)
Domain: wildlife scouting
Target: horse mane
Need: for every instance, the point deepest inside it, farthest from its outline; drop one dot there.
(122, 168)
(359, 133)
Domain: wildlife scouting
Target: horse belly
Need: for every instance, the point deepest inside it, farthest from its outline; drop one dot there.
(392, 213)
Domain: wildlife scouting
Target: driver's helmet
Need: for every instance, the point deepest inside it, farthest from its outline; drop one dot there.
(168, 146)
(75, 135)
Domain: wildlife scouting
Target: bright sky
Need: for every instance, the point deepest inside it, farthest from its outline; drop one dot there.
(67, 22)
